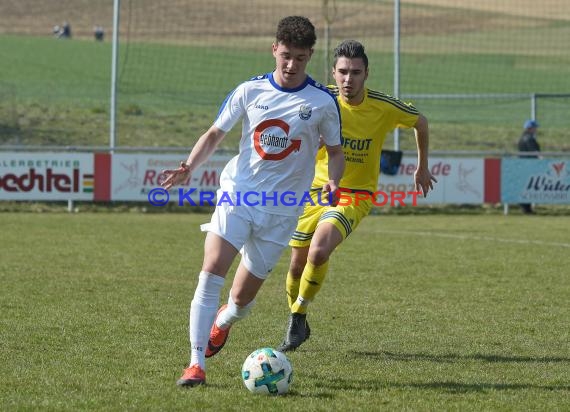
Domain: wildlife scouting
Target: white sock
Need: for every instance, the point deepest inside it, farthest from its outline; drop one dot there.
(202, 314)
(232, 313)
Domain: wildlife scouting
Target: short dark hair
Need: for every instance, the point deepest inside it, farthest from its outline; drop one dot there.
(296, 31)
(351, 49)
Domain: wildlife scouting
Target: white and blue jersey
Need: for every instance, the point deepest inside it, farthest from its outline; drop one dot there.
(280, 137)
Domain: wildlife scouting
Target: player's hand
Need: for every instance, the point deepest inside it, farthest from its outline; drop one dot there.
(331, 192)
(175, 177)
(424, 180)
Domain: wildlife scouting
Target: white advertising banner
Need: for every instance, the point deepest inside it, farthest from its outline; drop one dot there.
(134, 176)
(460, 180)
(46, 176)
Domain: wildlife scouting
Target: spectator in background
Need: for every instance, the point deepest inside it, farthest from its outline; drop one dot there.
(528, 143)
(65, 32)
(98, 33)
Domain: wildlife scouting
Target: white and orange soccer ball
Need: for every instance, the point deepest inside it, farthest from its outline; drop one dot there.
(267, 371)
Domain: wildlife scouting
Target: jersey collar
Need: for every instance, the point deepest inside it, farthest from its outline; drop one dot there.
(286, 90)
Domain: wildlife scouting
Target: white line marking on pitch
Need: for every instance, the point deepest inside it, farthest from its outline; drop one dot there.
(486, 238)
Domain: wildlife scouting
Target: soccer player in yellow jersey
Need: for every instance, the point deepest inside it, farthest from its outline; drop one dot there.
(367, 116)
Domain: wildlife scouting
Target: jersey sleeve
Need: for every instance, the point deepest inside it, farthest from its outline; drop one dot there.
(231, 110)
(406, 115)
(330, 127)
(398, 113)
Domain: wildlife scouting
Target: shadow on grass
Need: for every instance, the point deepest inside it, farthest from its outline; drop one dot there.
(367, 384)
(459, 387)
(297, 394)
(451, 357)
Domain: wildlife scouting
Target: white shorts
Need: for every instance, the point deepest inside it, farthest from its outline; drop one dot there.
(260, 237)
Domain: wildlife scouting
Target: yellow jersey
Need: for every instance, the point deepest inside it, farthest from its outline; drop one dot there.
(364, 129)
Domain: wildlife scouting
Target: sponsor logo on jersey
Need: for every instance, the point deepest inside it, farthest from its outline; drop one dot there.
(263, 138)
(358, 144)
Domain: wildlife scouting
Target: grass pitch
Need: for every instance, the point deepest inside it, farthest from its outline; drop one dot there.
(464, 312)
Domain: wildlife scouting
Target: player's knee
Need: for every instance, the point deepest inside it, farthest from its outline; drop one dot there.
(214, 265)
(319, 255)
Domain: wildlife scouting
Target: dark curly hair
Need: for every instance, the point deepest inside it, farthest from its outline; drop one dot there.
(296, 31)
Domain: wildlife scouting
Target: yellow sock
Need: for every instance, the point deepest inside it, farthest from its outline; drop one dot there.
(311, 282)
(292, 288)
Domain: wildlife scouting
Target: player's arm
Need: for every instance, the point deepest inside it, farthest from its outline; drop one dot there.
(336, 170)
(202, 150)
(423, 179)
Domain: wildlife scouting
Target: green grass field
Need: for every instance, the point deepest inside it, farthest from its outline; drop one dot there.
(427, 312)
(424, 309)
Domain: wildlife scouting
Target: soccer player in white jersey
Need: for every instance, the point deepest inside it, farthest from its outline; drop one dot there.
(367, 116)
(283, 115)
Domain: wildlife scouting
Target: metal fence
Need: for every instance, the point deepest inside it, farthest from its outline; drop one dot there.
(474, 68)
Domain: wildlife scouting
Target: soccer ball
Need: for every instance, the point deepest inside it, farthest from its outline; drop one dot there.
(267, 371)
